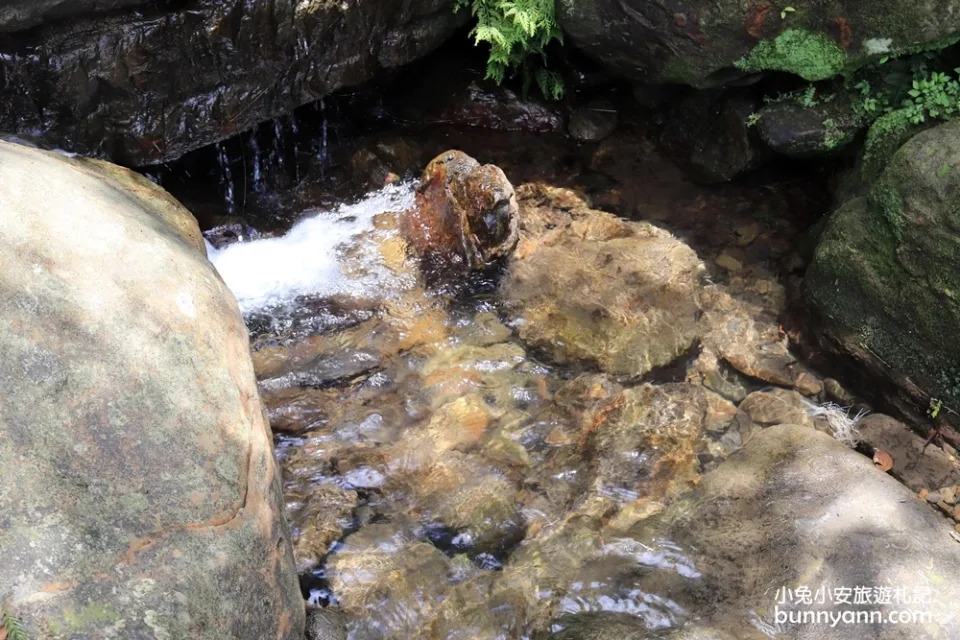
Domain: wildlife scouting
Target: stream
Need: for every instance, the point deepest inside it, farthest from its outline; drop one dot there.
(493, 454)
(446, 478)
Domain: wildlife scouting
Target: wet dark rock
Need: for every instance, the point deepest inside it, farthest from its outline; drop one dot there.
(703, 42)
(593, 122)
(139, 492)
(707, 134)
(147, 85)
(486, 106)
(465, 217)
(16, 15)
(383, 162)
(885, 276)
(653, 96)
(800, 132)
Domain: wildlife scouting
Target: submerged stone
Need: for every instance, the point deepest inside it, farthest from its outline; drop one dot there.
(587, 286)
(793, 509)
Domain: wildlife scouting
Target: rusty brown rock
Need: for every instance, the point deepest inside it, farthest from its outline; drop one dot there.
(466, 214)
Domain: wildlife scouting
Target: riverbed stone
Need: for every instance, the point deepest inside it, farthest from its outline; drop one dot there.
(146, 84)
(139, 493)
(643, 443)
(916, 463)
(593, 121)
(610, 625)
(788, 510)
(776, 406)
(388, 583)
(585, 285)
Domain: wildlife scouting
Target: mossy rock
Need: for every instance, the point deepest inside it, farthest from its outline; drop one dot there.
(709, 42)
(887, 268)
(796, 131)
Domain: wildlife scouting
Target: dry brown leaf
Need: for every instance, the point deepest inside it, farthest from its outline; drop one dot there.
(882, 460)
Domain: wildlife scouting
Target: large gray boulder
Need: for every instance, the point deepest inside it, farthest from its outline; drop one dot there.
(708, 42)
(139, 496)
(147, 84)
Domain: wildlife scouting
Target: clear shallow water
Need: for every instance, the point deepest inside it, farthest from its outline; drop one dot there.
(441, 478)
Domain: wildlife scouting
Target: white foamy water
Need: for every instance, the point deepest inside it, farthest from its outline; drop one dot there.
(309, 259)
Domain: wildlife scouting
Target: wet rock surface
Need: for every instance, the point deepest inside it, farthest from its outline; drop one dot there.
(800, 132)
(90, 84)
(706, 44)
(707, 134)
(818, 530)
(587, 286)
(465, 216)
(139, 493)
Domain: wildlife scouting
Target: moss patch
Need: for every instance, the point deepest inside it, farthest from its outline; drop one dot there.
(812, 56)
(885, 136)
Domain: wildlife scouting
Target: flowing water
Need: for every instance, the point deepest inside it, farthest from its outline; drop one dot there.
(445, 478)
(451, 468)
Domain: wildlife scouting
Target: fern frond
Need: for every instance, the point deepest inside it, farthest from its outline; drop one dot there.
(515, 30)
(13, 627)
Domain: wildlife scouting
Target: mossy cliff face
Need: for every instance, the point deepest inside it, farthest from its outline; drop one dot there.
(886, 274)
(704, 42)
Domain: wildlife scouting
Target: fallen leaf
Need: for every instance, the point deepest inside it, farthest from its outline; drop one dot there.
(882, 460)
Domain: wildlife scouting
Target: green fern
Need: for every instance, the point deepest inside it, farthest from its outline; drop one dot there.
(13, 627)
(518, 32)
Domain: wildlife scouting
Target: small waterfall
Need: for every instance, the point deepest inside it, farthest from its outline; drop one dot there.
(306, 261)
(276, 153)
(295, 134)
(257, 162)
(324, 129)
(226, 178)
